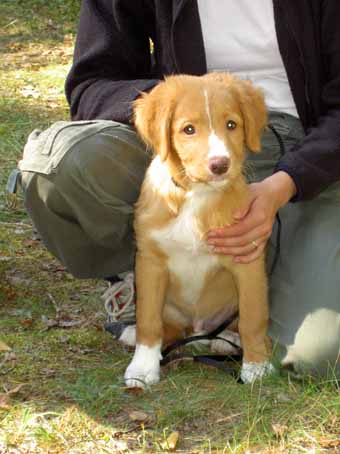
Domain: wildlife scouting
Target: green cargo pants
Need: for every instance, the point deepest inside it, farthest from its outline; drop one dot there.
(82, 179)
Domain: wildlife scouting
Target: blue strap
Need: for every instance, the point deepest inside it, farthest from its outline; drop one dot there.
(12, 182)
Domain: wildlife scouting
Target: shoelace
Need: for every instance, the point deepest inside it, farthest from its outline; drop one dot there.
(119, 300)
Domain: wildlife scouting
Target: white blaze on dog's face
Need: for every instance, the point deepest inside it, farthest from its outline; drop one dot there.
(208, 134)
(200, 125)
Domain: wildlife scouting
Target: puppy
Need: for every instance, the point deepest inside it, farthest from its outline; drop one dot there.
(198, 128)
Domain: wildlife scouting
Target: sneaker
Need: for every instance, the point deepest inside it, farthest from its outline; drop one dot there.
(119, 301)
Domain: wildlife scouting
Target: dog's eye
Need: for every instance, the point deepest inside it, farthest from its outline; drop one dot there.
(189, 129)
(231, 124)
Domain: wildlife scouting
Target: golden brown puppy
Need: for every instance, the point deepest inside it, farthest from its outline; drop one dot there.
(198, 128)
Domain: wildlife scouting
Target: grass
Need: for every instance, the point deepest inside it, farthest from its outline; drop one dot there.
(61, 390)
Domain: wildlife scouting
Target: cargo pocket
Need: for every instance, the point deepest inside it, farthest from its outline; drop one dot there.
(44, 150)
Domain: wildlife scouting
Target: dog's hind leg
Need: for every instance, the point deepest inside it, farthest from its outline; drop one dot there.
(172, 333)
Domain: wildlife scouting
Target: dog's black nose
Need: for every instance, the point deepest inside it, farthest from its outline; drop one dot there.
(219, 165)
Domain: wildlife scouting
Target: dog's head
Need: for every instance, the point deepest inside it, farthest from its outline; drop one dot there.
(201, 125)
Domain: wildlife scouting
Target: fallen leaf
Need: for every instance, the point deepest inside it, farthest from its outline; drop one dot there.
(52, 25)
(327, 443)
(283, 397)
(29, 242)
(60, 323)
(16, 389)
(52, 105)
(9, 291)
(48, 372)
(135, 390)
(81, 351)
(20, 280)
(279, 430)
(138, 416)
(26, 323)
(171, 442)
(5, 399)
(4, 347)
(10, 356)
(69, 323)
(30, 91)
(4, 402)
(68, 37)
(49, 322)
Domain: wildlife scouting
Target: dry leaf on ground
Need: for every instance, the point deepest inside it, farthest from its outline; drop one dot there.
(329, 443)
(171, 442)
(5, 398)
(134, 390)
(4, 402)
(30, 91)
(138, 416)
(279, 430)
(4, 347)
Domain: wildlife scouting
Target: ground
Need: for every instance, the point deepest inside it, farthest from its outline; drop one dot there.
(61, 385)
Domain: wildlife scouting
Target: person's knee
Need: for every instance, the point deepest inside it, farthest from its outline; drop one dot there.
(316, 347)
(83, 160)
(84, 209)
(106, 167)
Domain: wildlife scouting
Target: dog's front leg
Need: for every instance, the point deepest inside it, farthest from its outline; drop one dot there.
(151, 284)
(253, 320)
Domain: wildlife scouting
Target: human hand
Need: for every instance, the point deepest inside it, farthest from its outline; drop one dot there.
(246, 239)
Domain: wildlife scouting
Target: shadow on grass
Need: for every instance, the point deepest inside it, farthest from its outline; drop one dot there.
(37, 20)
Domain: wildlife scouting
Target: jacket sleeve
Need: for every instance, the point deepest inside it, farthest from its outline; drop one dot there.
(112, 60)
(314, 164)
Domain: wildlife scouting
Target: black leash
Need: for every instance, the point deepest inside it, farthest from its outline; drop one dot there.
(278, 245)
(217, 361)
(212, 335)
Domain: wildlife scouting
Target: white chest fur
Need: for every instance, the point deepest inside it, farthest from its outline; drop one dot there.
(189, 258)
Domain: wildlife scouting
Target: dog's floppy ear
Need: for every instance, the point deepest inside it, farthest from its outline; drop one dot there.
(152, 118)
(254, 113)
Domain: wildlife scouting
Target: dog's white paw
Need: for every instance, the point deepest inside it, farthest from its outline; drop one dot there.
(144, 369)
(253, 371)
(223, 346)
